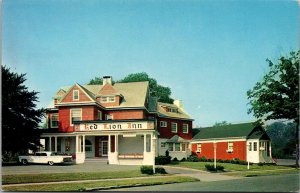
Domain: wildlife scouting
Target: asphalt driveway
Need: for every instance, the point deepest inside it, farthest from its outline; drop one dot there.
(88, 166)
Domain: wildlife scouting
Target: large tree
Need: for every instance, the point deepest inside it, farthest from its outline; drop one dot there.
(161, 92)
(20, 117)
(276, 96)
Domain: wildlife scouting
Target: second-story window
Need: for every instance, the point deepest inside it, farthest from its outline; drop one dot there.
(75, 95)
(109, 117)
(185, 128)
(99, 115)
(54, 120)
(174, 128)
(163, 123)
(75, 115)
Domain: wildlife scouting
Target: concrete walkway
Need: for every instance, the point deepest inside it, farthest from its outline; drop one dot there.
(201, 175)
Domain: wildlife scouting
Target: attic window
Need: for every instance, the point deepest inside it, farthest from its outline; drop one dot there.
(107, 99)
(75, 95)
(172, 110)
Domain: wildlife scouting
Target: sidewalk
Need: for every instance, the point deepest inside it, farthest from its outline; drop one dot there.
(203, 176)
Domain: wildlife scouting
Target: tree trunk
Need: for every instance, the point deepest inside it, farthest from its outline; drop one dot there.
(297, 145)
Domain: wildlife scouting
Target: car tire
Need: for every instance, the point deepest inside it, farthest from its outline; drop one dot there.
(24, 161)
(50, 163)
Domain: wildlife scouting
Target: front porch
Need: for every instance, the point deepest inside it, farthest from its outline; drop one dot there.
(121, 148)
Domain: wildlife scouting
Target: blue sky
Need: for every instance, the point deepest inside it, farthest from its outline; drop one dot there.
(208, 52)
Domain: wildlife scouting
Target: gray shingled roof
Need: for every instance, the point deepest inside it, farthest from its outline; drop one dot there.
(134, 93)
(163, 113)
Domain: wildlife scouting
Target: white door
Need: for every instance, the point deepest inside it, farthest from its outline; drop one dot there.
(104, 148)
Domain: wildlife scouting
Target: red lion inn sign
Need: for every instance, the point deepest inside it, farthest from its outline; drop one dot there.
(143, 125)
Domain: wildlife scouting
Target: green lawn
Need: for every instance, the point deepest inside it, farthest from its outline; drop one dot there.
(228, 166)
(54, 177)
(89, 185)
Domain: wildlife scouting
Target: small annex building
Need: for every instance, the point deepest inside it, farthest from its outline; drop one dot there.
(244, 141)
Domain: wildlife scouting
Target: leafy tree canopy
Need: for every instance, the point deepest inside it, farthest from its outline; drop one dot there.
(277, 95)
(161, 92)
(20, 118)
(283, 139)
(221, 123)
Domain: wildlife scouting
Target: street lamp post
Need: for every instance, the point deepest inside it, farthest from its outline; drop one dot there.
(154, 149)
(248, 147)
(215, 155)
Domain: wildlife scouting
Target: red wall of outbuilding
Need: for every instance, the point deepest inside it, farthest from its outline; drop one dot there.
(207, 150)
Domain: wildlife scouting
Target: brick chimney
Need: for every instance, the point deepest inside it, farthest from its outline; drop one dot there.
(107, 80)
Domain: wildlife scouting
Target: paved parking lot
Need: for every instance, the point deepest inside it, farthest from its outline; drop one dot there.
(88, 166)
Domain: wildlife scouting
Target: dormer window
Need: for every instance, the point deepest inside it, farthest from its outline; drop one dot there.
(172, 110)
(108, 99)
(75, 95)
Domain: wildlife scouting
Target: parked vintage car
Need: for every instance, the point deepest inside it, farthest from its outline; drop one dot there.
(45, 157)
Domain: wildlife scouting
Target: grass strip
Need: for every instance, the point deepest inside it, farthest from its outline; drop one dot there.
(262, 173)
(55, 177)
(101, 184)
(228, 166)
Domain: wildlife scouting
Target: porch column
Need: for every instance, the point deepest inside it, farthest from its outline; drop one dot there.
(55, 142)
(270, 149)
(109, 141)
(83, 141)
(50, 144)
(116, 144)
(76, 144)
(145, 143)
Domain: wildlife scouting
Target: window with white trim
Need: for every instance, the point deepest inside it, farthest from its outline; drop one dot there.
(54, 120)
(230, 147)
(163, 124)
(199, 146)
(107, 99)
(111, 99)
(177, 146)
(162, 144)
(99, 115)
(185, 128)
(254, 146)
(75, 95)
(76, 115)
(170, 147)
(250, 146)
(174, 127)
(183, 147)
(109, 117)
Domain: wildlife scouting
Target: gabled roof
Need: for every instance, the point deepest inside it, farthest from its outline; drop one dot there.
(163, 113)
(134, 93)
(241, 130)
(88, 93)
(176, 139)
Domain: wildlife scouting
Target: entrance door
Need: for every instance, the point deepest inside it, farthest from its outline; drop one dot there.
(104, 148)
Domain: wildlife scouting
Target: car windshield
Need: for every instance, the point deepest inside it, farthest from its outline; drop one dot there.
(52, 154)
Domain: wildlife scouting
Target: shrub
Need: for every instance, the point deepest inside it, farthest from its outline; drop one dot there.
(220, 160)
(147, 170)
(175, 159)
(203, 159)
(227, 161)
(167, 154)
(210, 167)
(162, 160)
(219, 167)
(260, 164)
(210, 160)
(193, 158)
(160, 170)
(183, 160)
